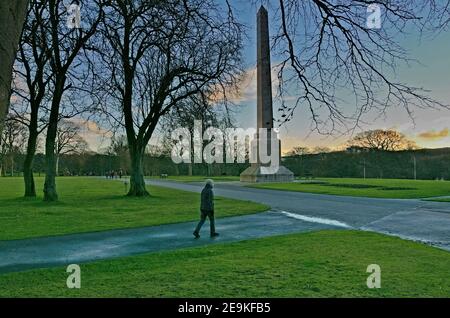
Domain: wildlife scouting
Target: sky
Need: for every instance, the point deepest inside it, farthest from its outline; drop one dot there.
(429, 129)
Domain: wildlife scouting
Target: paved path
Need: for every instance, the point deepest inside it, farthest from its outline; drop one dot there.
(26, 254)
(292, 212)
(418, 220)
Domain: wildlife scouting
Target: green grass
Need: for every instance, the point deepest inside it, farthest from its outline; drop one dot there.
(198, 178)
(90, 204)
(316, 264)
(374, 188)
(439, 200)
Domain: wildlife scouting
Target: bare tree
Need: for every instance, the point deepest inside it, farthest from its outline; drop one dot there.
(160, 53)
(186, 113)
(379, 139)
(32, 77)
(68, 141)
(12, 16)
(332, 54)
(299, 151)
(119, 148)
(320, 150)
(66, 43)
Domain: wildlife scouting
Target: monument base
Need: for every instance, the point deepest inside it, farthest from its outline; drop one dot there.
(253, 174)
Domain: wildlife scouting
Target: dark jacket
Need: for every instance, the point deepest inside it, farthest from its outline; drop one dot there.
(207, 203)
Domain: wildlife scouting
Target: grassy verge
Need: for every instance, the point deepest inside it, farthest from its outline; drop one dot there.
(317, 264)
(90, 204)
(439, 199)
(374, 188)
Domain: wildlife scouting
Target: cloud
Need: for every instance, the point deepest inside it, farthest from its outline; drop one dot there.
(246, 90)
(90, 126)
(434, 135)
(96, 136)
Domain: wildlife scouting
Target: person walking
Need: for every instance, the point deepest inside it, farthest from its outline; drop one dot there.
(207, 209)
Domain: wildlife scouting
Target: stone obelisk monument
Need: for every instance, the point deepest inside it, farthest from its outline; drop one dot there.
(256, 172)
(263, 72)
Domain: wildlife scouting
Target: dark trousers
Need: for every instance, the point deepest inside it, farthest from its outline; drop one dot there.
(210, 215)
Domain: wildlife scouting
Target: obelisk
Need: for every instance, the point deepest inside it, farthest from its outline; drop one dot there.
(256, 172)
(263, 71)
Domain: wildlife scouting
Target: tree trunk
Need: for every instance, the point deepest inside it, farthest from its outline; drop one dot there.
(50, 193)
(28, 178)
(57, 165)
(12, 165)
(12, 16)
(30, 189)
(190, 169)
(137, 183)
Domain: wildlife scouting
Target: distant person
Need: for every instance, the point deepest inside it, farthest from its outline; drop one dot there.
(120, 174)
(207, 209)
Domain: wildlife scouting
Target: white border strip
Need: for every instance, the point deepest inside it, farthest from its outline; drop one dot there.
(315, 219)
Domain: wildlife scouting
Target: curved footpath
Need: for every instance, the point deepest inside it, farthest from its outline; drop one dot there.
(423, 221)
(292, 212)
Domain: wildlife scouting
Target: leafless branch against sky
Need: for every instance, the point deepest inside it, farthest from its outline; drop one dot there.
(327, 50)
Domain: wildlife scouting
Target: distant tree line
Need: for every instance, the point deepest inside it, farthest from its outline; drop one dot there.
(370, 154)
(375, 153)
(429, 163)
(94, 164)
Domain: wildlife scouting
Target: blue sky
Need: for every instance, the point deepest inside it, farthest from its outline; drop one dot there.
(429, 128)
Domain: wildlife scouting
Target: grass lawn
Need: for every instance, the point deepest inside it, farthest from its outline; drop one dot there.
(198, 178)
(316, 264)
(375, 188)
(439, 199)
(90, 204)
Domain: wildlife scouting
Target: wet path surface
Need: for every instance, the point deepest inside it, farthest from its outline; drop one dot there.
(26, 254)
